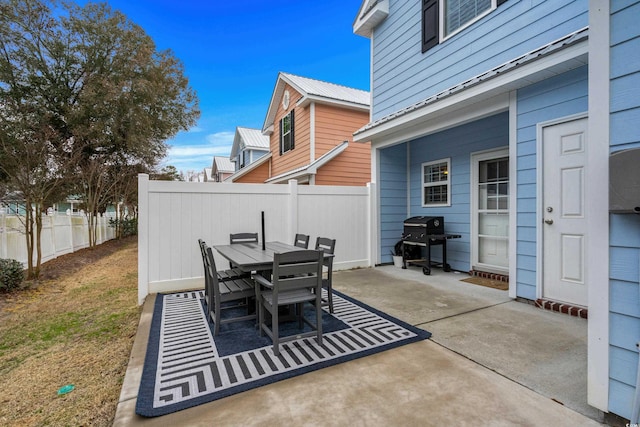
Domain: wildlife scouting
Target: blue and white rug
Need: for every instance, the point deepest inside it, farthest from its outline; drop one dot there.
(186, 366)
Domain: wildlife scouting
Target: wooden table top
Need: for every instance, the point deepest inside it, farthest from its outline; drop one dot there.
(251, 257)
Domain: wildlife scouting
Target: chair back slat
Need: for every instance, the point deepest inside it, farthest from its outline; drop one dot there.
(243, 238)
(301, 241)
(297, 270)
(327, 245)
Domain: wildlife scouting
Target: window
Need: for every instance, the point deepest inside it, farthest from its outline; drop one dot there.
(243, 158)
(436, 183)
(442, 18)
(286, 133)
(458, 13)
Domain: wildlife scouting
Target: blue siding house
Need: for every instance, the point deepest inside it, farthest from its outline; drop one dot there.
(501, 116)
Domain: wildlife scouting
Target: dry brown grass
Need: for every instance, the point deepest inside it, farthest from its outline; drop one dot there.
(77, 328)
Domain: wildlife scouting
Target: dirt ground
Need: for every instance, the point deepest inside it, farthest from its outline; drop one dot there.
(67, 264)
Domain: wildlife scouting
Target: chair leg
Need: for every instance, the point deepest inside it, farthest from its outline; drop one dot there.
(275, 330)
(319, 321)
(330, 297)
(260, 314)
(215, 316)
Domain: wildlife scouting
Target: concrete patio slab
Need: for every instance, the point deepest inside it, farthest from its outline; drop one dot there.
(491, 361)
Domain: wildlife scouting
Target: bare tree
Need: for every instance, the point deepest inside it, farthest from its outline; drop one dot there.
(82, 90)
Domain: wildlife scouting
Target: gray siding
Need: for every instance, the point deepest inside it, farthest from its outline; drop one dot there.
(550, 99)
(624, 237)
(403, 75)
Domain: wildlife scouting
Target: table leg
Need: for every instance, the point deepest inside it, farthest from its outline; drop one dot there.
(445, 266)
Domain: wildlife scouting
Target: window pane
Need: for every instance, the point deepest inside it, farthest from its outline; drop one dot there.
(286, 142)
(459, 12)
(285, 122)
(436, 173)
(503, 169)
(435, 195)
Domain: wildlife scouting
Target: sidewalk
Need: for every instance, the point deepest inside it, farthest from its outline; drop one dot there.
(490, 361)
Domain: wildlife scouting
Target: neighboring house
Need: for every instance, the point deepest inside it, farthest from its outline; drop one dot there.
(310, 127)
(221, 168)
(248, 146)
(14, 204)
(208, 176)
(500, 116)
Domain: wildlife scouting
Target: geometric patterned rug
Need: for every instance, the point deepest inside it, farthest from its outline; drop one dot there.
(186, 366)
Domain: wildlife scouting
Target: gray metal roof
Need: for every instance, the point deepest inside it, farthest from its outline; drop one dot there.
(568, 40)
(328, 90)
(223, 164)
(253, 138)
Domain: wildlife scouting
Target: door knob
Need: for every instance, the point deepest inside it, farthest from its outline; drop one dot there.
(548, 221)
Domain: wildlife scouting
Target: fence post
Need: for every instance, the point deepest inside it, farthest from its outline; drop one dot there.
(73, 249)
(52, 222)
(293, 209)
(372, 225)
(143, 237)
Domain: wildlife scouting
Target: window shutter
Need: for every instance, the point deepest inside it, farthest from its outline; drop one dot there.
(280, 140)
(430, 21)
(291, 122)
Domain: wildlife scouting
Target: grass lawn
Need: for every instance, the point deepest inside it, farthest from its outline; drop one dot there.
(76, 326)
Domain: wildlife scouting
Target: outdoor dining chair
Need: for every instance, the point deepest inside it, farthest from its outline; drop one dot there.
(301, 241)
(223, 275)
(242, 238)
(222, 292)
(296, 280)
(328, 246)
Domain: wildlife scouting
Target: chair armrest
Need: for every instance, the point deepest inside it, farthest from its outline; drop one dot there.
(260, 280)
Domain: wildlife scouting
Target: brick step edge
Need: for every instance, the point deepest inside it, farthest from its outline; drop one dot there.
(491, 276)
(563, 308)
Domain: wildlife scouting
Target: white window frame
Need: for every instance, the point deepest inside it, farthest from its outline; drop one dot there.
(437, 183)
(443, 5)
(285, 134)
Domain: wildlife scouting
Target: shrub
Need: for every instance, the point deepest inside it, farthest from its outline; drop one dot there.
(11, 274)
(127, 226)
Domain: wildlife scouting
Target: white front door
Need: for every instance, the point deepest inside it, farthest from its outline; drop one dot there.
(564, 219)
(490, 220)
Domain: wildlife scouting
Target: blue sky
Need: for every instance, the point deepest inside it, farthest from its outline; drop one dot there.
(233, 50)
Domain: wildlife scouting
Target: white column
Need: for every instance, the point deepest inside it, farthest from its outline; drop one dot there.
(513, 192)
(597, 182)
(372, 219)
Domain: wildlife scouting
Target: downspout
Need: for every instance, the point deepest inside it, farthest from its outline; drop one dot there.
(635, 412)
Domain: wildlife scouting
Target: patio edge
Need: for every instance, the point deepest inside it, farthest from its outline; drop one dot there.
(131, 382)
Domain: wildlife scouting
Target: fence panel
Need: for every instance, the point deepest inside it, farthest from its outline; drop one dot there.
(61, 234)
(174, 215)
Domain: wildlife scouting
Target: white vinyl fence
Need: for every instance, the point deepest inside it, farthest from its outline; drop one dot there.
(173, 215)
(61, 234)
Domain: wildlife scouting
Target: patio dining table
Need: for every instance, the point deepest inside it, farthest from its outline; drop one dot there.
(250, 257)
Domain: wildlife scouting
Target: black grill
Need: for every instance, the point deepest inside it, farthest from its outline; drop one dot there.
(418, 228)
(424, 231)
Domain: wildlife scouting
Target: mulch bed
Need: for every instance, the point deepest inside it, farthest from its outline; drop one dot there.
(68, 263)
